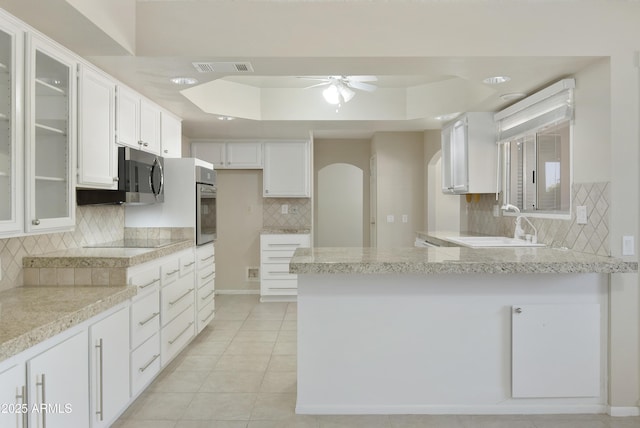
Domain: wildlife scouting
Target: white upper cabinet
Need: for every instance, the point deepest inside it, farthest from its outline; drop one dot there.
(469, 154)
(137, 121)
(238, 154)
(50, 140)
(97, 153)
(170, 135)
(287, 169)
(11, 132)
(149, 127)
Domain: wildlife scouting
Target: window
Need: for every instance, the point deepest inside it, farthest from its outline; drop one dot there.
(535, 139)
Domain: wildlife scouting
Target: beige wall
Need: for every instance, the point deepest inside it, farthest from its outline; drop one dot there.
(239, 224)
(400, 178)
(352, 151)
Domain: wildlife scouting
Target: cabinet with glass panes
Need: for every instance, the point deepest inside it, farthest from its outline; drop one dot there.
(50, 136)
(11, 173)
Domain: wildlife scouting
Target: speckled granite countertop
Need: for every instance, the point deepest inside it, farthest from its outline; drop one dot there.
(109, 256)
(284, 231)
(439, 238)
(30, 315)
(456, 260)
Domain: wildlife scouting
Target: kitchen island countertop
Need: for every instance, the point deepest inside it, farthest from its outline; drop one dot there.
(453, 260)
(31, 315)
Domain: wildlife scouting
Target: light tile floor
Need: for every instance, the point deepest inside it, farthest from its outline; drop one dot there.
(240, 372)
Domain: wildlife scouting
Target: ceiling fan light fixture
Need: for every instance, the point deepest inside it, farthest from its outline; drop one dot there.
(184, 80)
(496, 80)
(346, 93)
(332, 94)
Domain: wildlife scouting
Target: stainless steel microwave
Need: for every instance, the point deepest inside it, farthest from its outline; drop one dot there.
(140, 181)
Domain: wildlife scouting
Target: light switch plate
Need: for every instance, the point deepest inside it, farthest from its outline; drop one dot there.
(284, 209)
(390, 218)
(628, 246)
(405, 218)
(581, 214)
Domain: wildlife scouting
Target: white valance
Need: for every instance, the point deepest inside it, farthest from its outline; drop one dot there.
(546, 107)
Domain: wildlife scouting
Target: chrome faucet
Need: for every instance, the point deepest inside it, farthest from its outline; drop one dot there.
(519, 232)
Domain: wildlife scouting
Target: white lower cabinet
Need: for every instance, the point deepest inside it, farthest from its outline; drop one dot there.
(177, 334)
(276, 251)
(58, 383)
(205, 285)
(145, 364)
(13, 397)
(109, 361)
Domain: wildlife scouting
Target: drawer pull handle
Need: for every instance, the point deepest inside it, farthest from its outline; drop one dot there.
(208, 275)
(208, 295)
(146, 366)
(281, 272)
(181, 297)
(285, 245)
(207, 258)
(171, 342)
(173, 272)
(155, 314)
(208, 316)
(190, 264)
(278, 258)
(150, 283)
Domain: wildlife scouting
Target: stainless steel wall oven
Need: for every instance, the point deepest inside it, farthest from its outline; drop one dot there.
(206, 205)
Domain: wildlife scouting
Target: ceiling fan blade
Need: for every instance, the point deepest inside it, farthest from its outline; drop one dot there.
(319, 79)
(316, 85)
(362, 86)
(362, 78)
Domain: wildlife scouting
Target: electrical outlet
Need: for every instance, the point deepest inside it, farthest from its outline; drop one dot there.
(284, 209)
(405, 218)
(628, 246)
(581, 214)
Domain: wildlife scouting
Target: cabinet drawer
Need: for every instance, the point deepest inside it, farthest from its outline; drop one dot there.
(279, 286)
(205, 315)
(284, 242)
(205, 253)
(277, 271)
(145, 364)
(170, 270)
(205, 295)
(176, 298)
(187, 263)
(177, 334)
(205, 275)
(145, 318)
(276, 256)
(145, 279)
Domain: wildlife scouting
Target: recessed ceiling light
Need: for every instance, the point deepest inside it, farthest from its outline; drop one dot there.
(225, 118)
(513, 96)
(495, 80)
(445, 117)
(184, 80)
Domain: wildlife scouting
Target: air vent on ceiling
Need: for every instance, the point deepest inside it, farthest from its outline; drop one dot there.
(223, 67)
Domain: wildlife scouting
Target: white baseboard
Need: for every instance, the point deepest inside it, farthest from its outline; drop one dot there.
(623, 411)
(237, 291)
(451, 410)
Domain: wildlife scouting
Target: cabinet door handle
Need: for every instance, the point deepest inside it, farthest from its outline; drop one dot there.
(150, 283)
(143, 143)
(146, 366)
(171, 342)
(116, 179)
(284, 244)
(100, 378)
(35, 222)
(208, 295)
(278, 258)
(23, 402)
(155, 314)
(173, 272)
(41, 384)
(208, 275)
(166, 151)
(181, 297)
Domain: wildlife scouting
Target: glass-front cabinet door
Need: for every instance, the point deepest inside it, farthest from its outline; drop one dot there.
(11, 154)
(50, 136)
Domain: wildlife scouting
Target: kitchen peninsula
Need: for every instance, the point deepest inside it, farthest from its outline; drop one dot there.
(452, 330)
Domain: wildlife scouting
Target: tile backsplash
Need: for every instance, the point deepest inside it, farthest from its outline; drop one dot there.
(299, 215)
(592, 237)
(94, 224)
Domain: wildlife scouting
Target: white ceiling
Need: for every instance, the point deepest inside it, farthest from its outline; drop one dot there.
(413, 88)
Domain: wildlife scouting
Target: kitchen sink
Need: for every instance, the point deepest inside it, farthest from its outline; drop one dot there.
(491, 241)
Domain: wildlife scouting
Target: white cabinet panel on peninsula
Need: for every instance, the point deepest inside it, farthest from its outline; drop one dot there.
(50, 138)
(287, 169)
(97, 153)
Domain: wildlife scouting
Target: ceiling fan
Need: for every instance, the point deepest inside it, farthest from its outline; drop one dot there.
(340, 88)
